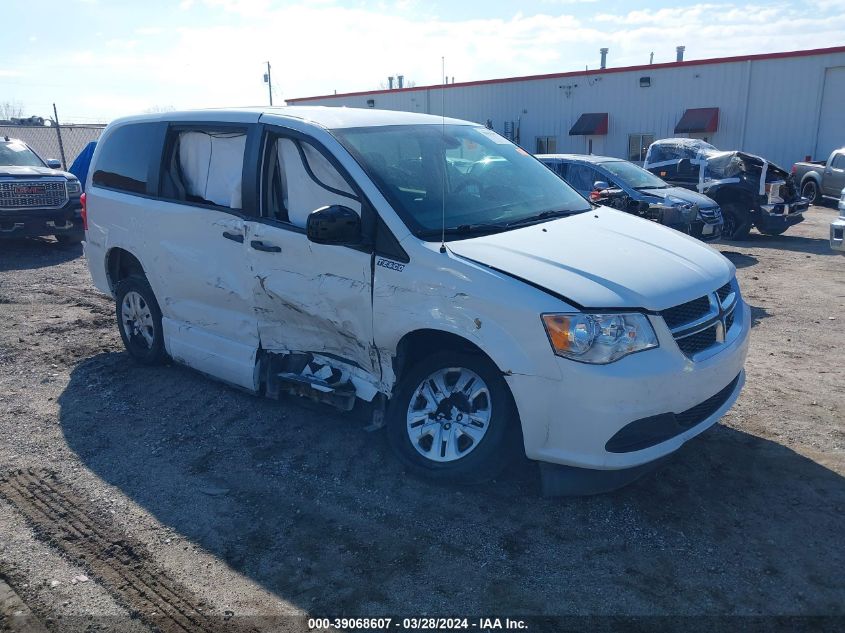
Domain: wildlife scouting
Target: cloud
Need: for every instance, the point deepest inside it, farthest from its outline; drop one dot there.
(213, 54)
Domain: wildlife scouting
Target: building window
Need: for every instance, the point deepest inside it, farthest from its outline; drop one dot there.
(638, 146)
(546, 145)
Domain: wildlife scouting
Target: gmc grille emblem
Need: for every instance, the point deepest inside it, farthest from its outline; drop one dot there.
(26, 189)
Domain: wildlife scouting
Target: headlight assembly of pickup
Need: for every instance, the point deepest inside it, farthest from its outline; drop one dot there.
(73, 187)
(598, 338)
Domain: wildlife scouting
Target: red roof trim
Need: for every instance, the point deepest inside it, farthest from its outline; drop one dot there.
(581, 73)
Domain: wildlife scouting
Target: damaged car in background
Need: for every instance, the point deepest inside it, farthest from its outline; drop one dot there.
(424, 270)
(751, 191)
(628, 187)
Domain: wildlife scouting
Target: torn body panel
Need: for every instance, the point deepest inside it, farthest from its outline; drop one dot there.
(311, 297)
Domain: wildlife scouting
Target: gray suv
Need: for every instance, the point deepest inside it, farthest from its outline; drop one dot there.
(36, 197)
(623, 185)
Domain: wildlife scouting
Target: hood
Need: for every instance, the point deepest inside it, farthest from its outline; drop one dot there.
(604, 259)
(29, 172)
(726, 165)
(692, 197)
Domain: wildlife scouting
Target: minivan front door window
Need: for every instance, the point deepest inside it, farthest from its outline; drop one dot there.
(469, 176)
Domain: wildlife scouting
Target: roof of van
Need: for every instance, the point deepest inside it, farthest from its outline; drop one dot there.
(324, 116)
(584, 158)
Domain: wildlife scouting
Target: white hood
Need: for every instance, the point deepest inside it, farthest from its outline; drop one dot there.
(605, 259)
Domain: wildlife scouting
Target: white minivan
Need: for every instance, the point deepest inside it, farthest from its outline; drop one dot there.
(426, 268)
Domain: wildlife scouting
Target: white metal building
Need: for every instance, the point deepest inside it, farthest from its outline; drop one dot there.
(782, 106)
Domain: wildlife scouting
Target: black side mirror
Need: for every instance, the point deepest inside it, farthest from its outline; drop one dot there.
(54, 163)
(335, 224)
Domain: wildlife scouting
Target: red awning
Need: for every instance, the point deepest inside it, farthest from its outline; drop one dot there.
(591, 123)
(698, 120)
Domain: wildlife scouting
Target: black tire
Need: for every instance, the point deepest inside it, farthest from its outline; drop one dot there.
(737, 221)
(67, 239)
(146, 353)
(810, 190)
(500, 443)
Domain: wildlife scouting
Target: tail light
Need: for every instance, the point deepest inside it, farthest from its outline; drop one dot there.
(84, 213)
(793, 170)
(595, 195)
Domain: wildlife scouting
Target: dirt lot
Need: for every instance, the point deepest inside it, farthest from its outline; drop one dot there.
(179, 499)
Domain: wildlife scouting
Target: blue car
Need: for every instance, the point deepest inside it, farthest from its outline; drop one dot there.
(623, 185)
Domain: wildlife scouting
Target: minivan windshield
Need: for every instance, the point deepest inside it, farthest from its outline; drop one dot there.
(634, 176)
(477, 180)
(17, 154)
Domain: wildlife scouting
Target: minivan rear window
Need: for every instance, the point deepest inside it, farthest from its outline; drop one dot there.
(124, 158)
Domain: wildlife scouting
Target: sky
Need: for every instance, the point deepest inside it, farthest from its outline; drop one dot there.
(100, 59)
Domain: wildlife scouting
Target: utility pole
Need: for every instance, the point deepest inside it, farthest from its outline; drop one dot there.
(269, 81)
(59, 135)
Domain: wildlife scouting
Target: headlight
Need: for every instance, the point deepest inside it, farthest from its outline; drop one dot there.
(598, 338)
(74, 187)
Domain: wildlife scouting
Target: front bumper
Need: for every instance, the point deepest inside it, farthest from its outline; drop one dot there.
(781, 215)
(837, 234)
(39, 222)
(571, 421)
(706, 232)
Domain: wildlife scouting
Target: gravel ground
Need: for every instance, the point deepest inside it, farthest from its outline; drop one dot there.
(254, 507)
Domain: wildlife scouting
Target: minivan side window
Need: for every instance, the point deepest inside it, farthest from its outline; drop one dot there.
(300, 179)
(204, 166)
(124, 159)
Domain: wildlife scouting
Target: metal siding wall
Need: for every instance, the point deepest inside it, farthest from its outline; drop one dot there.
(780, 114)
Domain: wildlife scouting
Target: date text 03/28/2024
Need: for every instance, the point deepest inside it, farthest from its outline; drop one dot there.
(418, 624)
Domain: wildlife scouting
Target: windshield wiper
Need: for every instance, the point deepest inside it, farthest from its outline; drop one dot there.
(464, 229)
(545, 215)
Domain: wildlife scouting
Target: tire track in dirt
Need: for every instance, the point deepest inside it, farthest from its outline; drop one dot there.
(122, 565)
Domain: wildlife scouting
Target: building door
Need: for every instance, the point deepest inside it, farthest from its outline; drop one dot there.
(831, 121)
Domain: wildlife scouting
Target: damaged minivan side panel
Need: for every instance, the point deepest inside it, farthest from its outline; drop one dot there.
(308, 297)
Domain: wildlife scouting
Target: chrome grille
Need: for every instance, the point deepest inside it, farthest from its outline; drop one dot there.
(711, 215)
(703, 323)
(32, 194)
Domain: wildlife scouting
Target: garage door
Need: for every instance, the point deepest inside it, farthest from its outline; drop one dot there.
(832, 120)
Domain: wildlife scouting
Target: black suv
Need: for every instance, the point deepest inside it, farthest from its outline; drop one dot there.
(751, 190)
(36, 197)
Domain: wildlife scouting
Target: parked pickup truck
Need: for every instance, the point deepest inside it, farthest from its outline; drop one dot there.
(820, 179)
(36, 197)
(750, 190)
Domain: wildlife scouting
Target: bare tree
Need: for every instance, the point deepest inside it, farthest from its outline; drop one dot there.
(10, 109)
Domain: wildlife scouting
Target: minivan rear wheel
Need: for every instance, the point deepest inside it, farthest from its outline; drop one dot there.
(139, 320)
(452, 419)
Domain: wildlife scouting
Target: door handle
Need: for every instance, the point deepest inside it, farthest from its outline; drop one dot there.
(267, 248)
(235, 237)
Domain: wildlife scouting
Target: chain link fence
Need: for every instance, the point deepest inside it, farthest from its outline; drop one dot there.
(64, 142)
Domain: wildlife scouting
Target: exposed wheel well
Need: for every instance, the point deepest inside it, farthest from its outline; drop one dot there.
(120, 264)
(420, 343)
(816, 178)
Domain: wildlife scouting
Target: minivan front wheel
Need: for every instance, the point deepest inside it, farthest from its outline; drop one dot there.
(452, 419)
(139, 320)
